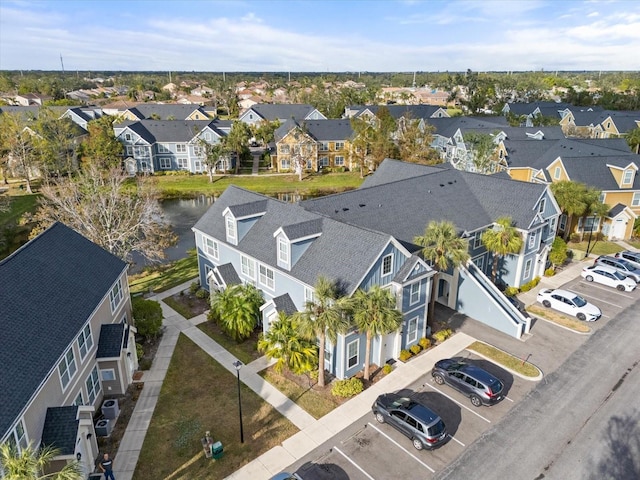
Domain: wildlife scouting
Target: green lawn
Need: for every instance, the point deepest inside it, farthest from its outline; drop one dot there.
(597, 248)
(200, 395)
(315, 403)
(245, 351)
(559, 318)
(164, 277)
(503, 358)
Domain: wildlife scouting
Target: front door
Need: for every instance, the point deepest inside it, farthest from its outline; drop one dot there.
(618, 229)
(389, 347)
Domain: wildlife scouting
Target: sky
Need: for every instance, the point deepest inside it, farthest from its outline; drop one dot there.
(320, 36)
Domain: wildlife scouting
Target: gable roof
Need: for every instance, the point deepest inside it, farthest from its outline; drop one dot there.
(111, 340)
(396, 111)
(165, 111)
(281, 111)
(595, 172)
(546, 108)
(319, 130)
(171, 131)
(403, 208)
(346, 264)
(52, 293)
(61, 429)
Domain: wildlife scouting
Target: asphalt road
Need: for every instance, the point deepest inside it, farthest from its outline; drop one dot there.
(581, 422)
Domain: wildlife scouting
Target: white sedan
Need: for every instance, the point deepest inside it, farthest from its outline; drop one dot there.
(570, 303)
(608, 276)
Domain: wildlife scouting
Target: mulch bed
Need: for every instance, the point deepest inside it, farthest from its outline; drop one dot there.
(189, 300)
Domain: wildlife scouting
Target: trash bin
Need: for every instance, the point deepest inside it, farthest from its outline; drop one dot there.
(216, 450)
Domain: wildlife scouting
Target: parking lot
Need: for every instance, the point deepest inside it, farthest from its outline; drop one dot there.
(369, 450)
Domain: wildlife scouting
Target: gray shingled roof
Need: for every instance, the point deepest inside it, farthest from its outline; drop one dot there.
(165, 111)
(283, 303)
(111, 340)
(346, 264)
(403, 208)
(388, 172)
(228, 274)
(319, 130)
(61, 429)
(398, 111)
(282, 111)
(594, 172)
(56, 282)
(303, 229)
(546, 108)
(618, 207)
(178, 131)
(447, 127)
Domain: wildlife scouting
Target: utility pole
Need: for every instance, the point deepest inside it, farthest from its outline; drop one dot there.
(62, 64)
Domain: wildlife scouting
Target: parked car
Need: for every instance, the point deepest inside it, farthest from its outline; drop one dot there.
(474, 382)
(286, 476)
(417, 421)
(632, 257)
(608, 276)
(570, 303)
(620, 264)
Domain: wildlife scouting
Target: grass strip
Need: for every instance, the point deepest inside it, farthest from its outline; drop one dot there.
(245, 351)
(559, 319)
(505, 359)
(199, 395)
(164, 277)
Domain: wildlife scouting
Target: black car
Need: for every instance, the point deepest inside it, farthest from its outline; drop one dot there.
(418, 422)
(478, 384)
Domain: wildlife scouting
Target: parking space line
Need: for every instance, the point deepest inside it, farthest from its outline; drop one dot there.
(607, 289)
(507, 398)
(402, 448)
(354, 463)
(454, 400)
(456, 440)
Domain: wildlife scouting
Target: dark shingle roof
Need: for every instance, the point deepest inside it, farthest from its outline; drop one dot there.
(61, 429)
(228, 274)
(388, 172)
(398, 111)
(111, 340)
(594, 171)
(547, 108)
(55, 283)
(618, 207)
(165, 111)
(167, 130)
(284, 304)
(282, 111)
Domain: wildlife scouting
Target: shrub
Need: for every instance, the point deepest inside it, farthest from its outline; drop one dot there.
(526, 287)
(144, 364)
(425, 343)
(535, 282)
(202, 294)
(193, 288)
(549, 272)
(347, 388)
(405, 355)
(511, 291)
(415, 349)
(558, 253)
(442, 335)
(574, 238)
(387, 369)
(139, 351)
(148, 316)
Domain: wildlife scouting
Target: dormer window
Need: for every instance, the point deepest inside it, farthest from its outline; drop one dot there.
(231, 230)
(127, 137)
(627, 177)
(556, 173)
(283, 250)
(387, 263)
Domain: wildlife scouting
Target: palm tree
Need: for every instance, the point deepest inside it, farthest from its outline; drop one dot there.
(568, 194)
(441, 246)
(237, 140)
(238, 310)
(324, 317)
(375, 313)
(633, 139)
(284, 343)
(503, 239)
(29, 463)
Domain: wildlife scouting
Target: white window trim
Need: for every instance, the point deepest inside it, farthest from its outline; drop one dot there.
(556, 173)
(309, 295)
(88, 342)
(211, 249)
(527, 269)
(181, 148)
(543, 203)
(624, 177)
(248, 267)
(357, 356)
(108, 371)
(183, 163)
(479, 262)
(163, 148)
(81, 397)
(66, 363)
(635, 200)
(532, 239)
(113, 301)
(165, 163)
(95, 387)
(283, 250)
(390, 256)
(339, 161)
(415, 333)
(20, 442)
(413, 293)
(231, 229)
(477, 240)
(265, 279)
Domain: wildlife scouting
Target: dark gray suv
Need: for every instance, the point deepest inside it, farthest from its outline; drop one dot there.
(418, 422)
(478, 384)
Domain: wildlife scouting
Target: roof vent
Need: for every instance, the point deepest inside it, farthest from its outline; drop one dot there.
(362, 205)
(345, 209)
(450, 183)
(442, 184)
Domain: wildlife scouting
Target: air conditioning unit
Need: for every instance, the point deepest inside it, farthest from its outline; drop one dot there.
(110, 409)
(104, 427)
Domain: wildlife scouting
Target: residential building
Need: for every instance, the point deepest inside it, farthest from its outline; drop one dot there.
(415, 112)
(67, 342)
(280, 112)
(161, 111)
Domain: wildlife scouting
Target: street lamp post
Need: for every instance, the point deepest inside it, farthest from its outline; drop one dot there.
(238, 365)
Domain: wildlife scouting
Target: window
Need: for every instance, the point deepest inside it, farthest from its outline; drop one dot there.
(85, 341)
(181, 148)
(479, 262)
(532, 240)
(284, 149)
(18, 436)
(197, 151)
(339, 161)
(386, 265)
(115, 296)
(323, 162)
(207, 136)
(231, 229)
(352, 353)
(527, 269)
(414, 295)
(339, 146)
(108, 375)
(127, 137)
(412, 330)
(248, 267)
(552, 225)
(162, 148)
(324, 146)
(266, 277)
(283, 250)
(477, 240)
(308, 295)
(563, 222)
(542, 204)
(79, 400)
(67, 368)
(93, 385)
(197, 166)
(211, 247)
(627, 177)
(635, 201)
(556, 173)
(183, 163)
(285, 164)
(602, 197)
(165, 163)
(129, 150)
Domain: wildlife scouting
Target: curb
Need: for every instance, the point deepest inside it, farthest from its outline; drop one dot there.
(513, 372)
